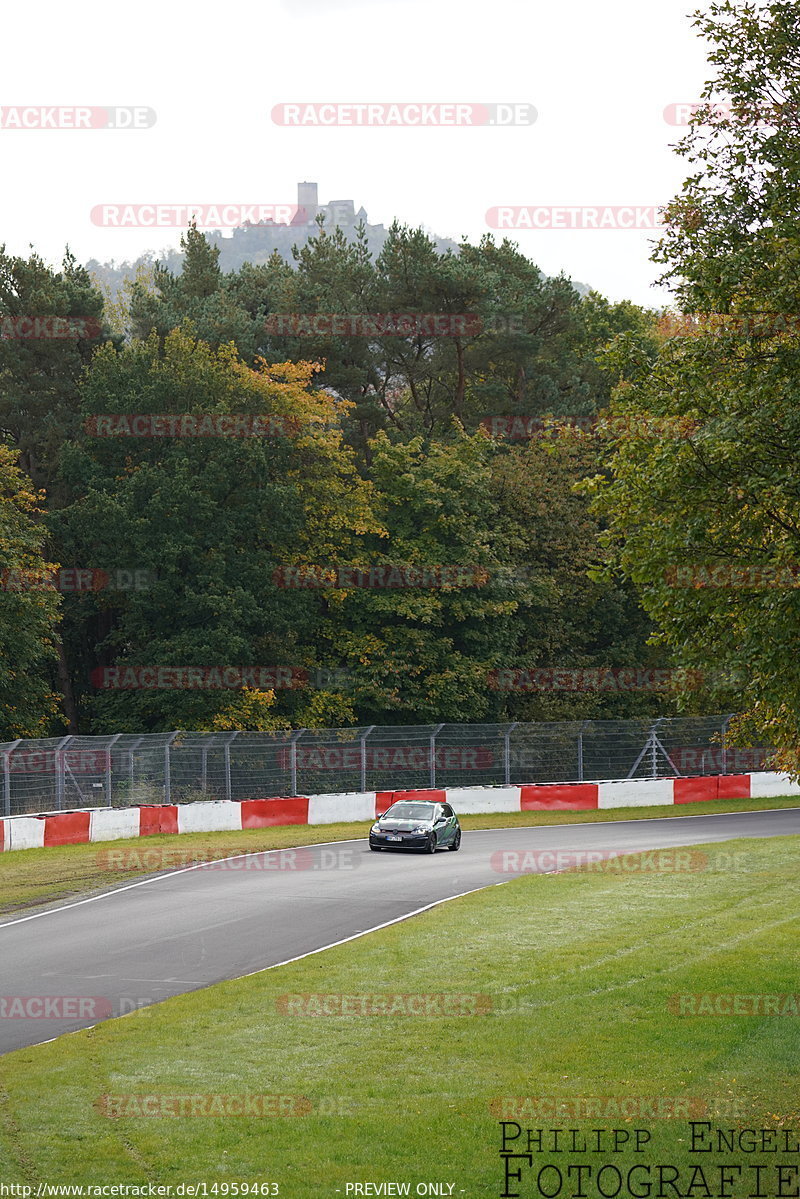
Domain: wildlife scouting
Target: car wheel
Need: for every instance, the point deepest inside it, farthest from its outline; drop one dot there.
(456, 842)
(432, 844)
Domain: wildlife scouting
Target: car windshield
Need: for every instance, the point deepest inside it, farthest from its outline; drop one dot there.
(410, 811)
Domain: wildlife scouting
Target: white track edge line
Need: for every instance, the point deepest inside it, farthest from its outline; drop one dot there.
(375, 928)
(263, 969)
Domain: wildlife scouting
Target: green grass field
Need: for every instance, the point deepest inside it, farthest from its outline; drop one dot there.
(36, 877)
(580, 970)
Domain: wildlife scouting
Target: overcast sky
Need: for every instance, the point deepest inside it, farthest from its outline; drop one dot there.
(599, 75)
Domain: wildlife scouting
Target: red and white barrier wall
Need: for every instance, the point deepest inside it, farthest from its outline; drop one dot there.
(111, 824)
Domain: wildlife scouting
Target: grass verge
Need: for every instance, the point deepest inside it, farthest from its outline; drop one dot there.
(581, 971)
(37, 877)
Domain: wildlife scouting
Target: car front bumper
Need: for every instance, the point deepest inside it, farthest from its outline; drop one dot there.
(409, 841)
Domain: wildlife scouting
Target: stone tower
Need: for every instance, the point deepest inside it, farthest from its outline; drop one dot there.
(307, 203)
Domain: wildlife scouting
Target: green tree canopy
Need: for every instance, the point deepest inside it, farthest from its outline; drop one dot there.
(704, 506)
(29, 610)
(209, 518)
(41, 363)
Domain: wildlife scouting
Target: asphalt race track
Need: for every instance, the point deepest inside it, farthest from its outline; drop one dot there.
(182, 930)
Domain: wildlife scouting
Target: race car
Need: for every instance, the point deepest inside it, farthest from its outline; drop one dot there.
(416, 824)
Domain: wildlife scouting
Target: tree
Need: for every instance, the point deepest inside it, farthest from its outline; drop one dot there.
(221, 308)
(40, 366)
(423, 652)
(703, 507)
(411, 406)
(208, 519)
(29, 605)
(576, 618)
(518, 544)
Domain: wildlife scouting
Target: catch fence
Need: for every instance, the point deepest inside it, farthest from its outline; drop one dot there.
(126, 769)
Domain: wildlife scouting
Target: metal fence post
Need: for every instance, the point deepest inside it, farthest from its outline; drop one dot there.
(293, 760)
(60, 771)
(654, 748)
(580, 750)
(131, 752)
(227, 752)
(168, 768)
(434, 735)
(109, 747)
(364, 757)
(507, 753)
(7, 776)
(726, 721)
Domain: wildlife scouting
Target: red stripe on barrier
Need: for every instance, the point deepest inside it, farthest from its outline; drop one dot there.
(703, 790)
(168, 818)
(733, 786)
(2, 835)
(148, 821)
(262, 813)
(383, 800)
(67, 828)
(698, 790)
(158, 818)
(552, 797)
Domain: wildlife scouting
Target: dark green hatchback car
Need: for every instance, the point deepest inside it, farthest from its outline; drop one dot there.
(416, 824)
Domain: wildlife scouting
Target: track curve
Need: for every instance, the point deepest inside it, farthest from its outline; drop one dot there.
(182, 930)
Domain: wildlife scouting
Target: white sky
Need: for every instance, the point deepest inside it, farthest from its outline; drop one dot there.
(599, 74)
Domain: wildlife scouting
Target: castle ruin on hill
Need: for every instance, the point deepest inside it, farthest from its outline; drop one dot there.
(257, 242)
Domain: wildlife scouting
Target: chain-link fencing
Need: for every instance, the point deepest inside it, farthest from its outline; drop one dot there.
(125, 769)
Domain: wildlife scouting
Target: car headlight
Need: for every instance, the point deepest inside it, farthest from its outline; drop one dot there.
(376, 828)
(423, 828)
